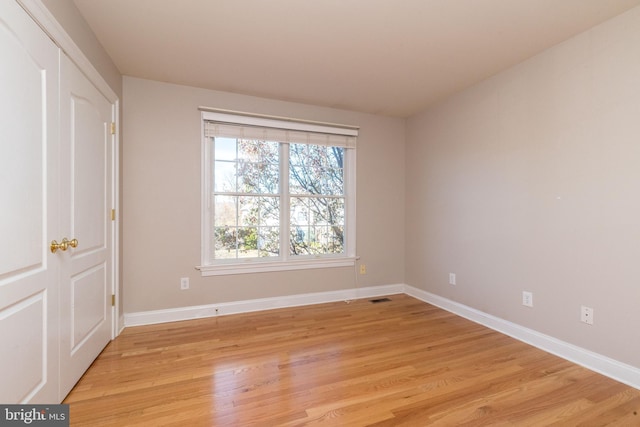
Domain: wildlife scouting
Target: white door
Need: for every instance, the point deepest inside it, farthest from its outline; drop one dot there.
(86, 180)
(28, 210)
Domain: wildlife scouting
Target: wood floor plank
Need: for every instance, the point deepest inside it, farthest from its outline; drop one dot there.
(402, 362)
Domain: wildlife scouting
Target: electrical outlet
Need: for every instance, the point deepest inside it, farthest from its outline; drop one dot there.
(527, 299)
(363, 269)
(452, 278)
(184, 283)
(586, 315)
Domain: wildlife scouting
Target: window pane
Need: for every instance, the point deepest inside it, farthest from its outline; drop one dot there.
(326, 211)
(336, 245)
(247, 242)
(250, 149)
(299, 240)
(225, 211)
(296, 180)
(335, 157)
(258, 211)
(225, 176)
(299, 211)
(269, 211)
(258, 170)
(258, 177)
(254, 150)
(317, 225)
(316, 169)
(333, 183)
(297, 154)
(269, 241)
(248, 211)
(225, 242)
(225, 148)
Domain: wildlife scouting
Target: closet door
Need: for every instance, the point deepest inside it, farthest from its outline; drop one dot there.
(29, 201)
(86, 182)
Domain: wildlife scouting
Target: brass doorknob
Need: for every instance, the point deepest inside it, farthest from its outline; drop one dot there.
(63, 245)
(55, 246)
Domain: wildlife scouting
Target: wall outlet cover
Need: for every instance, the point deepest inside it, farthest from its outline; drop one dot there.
(527, 299)
(586, 315)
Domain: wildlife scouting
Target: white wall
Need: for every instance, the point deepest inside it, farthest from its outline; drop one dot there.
(161, 191)
(531, 181)
(69, 17)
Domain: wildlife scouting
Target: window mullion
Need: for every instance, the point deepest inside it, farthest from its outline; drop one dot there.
(284, 202)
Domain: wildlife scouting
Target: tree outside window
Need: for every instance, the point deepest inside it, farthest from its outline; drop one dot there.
(247, 198)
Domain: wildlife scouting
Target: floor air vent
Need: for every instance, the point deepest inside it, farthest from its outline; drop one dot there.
(375, 301)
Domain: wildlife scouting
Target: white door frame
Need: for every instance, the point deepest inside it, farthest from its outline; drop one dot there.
(117, 314)
(48, 23)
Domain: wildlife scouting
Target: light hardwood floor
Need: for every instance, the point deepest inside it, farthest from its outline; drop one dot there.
(402, 362)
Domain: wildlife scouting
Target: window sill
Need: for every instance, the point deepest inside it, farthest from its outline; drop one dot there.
(251, 266)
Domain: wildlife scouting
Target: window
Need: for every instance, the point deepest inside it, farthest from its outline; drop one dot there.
(278, 194)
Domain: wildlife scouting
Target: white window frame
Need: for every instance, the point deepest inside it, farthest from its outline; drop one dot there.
(284, 261)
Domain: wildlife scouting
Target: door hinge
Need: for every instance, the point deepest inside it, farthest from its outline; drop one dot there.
(113, 128)
(113, 214)
(113, 300)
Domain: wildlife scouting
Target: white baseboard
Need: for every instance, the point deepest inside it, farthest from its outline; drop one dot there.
(611, 368)
(210, 310)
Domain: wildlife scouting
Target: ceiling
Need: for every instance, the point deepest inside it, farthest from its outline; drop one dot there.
(389, 57)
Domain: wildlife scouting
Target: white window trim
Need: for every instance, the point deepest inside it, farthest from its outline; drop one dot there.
(284, 263)
(253, 266)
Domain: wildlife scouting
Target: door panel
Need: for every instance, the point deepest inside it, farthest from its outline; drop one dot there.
(89, 145)
(89, 310)
(29, 217)
(86, 273)
(26, 350)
